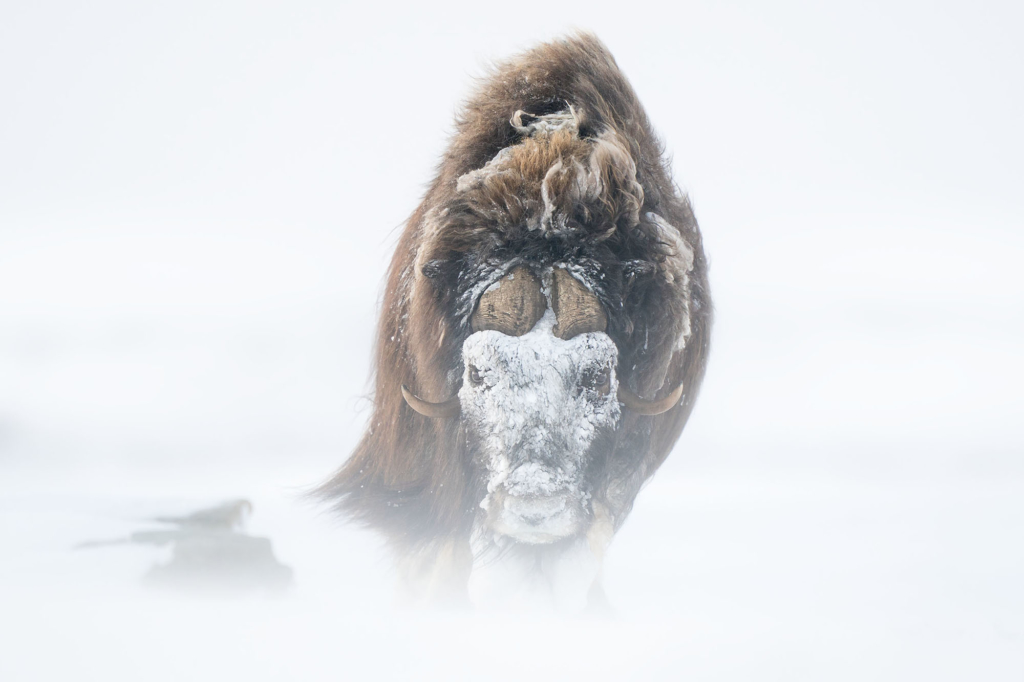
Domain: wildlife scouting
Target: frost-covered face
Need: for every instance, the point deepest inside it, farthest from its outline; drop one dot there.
(535, 405)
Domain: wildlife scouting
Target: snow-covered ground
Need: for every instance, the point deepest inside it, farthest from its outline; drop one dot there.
(197, 204)
(714, 577)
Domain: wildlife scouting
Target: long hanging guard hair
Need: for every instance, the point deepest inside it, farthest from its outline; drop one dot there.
(556, 132)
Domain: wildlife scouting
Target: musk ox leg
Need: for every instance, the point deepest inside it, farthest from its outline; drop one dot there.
(524, 577)
(565, 576)
(599, 536)
(436, 575)
(572, 575)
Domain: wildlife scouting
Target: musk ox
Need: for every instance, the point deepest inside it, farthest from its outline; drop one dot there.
(543, 335)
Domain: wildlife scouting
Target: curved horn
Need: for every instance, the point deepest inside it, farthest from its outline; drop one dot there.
(576, 308)
(449, 408)
(649, 407)
(512, 305)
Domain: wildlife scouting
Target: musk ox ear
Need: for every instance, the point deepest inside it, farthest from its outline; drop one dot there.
(432, 269)
(635, 270)
(512, 305)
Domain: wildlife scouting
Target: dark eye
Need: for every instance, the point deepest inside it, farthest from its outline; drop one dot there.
(474, 376)
(599, 380)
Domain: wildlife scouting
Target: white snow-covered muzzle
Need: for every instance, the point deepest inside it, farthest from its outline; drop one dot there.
(534, 405)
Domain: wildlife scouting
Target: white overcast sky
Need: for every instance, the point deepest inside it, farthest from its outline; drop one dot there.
(198, 200)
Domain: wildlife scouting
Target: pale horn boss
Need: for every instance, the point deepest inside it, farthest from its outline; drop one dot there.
(544, 329)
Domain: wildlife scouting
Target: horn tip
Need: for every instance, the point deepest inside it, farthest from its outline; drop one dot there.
(449, 408)
(649, 407)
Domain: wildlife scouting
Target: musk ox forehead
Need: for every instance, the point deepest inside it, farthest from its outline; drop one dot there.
(555, 182)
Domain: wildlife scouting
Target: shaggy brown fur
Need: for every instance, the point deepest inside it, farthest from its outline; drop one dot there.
(580, 195)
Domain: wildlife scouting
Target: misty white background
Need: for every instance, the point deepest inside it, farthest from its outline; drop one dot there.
(197, 204)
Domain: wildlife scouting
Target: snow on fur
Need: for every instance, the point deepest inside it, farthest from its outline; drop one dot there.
(538, 417)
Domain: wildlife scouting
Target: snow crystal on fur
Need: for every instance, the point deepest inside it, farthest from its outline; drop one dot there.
(529, 125)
